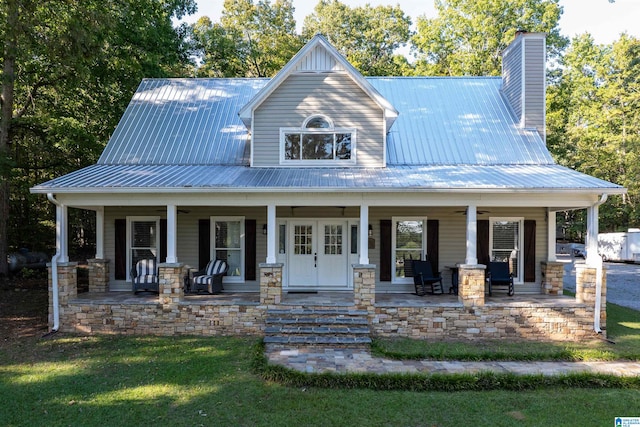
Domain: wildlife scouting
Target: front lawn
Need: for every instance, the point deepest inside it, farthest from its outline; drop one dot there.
(69, 380)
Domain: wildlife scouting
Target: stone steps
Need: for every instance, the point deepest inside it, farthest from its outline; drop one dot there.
(304, 327)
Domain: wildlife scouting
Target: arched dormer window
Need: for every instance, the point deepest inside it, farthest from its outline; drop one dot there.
(317, 142)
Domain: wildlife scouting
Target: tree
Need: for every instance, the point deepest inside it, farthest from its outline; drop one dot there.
(251, 39)
(69, 69)
(468, 36)
(594, 119)
(367, 36)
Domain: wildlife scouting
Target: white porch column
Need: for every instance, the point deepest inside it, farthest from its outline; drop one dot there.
(100, 233)
(593, 258)
(472, 233)
(62, 236)
(271, 234)
(172, 233)
(551, 233)
(364, 235)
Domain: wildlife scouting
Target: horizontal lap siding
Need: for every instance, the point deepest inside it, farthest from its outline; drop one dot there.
(187, 247)
(512, 78)
(452, 243)
(334, 95)
(535, 84)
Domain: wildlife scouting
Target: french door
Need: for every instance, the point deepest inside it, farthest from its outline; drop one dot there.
(318, 255)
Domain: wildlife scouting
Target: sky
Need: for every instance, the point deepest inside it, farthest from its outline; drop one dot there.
(605, 21)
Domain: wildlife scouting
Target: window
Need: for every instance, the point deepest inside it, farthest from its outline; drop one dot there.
(228, 244)
(317, 140)
(505, 243)
(409, 243)
(143, 239)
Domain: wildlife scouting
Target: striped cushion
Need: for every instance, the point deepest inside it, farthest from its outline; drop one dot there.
(145, 268)
(215, 267)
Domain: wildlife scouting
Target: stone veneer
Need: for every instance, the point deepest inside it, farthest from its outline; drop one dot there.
(98, 275)
(469, 318)
(552, 277)
(586, 289)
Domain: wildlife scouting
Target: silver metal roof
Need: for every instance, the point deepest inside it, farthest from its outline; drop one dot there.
(452, 133)
(456, 120)
(154, 178)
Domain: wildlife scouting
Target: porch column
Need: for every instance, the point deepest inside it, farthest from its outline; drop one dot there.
(364, 235)
(592, 236)
(100, 233)
(172, 234)
(98, 275)
(170, 287)
(62, 237)
(271, 234)
(551, 232)
(587, 279)
(270, 284)
(472, 232)
(471, 285)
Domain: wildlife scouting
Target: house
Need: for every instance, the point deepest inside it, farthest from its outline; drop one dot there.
(318, 187)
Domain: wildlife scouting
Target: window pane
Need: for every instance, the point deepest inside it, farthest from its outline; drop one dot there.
(282, 241)
(143, 234)
(227, 234)
(403, 261)
(317, 146)
(409, 235)
(318, 123)
(303, 242)
(292, 146)
(343, 146)
(333, 240)
(233, 258)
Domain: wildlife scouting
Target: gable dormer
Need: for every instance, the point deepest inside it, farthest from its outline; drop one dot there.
(318, 111)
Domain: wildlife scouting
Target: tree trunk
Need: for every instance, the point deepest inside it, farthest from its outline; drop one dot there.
(6, 115)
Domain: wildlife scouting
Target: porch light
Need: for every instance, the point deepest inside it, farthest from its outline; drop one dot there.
(264, 229)
(370, 230)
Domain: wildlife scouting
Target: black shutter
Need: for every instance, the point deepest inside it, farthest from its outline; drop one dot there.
(120, 264)
(433, 243)
(250, 249)
(204, 242)
(529, 250)
(482, 242)
(385, 250)
(163, 240)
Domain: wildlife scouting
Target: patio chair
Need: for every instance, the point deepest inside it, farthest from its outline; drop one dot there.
(424, 280)
(210, 279)
(144, 276)
(499, 276)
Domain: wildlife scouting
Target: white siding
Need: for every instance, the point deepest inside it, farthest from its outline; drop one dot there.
(335, 95)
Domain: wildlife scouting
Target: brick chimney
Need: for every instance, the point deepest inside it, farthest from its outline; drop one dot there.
(524, 79)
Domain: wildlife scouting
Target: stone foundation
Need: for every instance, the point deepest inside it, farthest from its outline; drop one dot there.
(171, 314)
(506, 321)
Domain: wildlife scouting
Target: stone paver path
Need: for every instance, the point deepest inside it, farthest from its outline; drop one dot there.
(346, 360)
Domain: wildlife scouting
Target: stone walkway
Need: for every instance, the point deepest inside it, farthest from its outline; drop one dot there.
(346, 360)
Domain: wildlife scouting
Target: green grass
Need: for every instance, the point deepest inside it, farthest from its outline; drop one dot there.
(187, 381)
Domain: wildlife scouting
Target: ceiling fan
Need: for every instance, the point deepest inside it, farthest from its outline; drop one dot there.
(478, 212)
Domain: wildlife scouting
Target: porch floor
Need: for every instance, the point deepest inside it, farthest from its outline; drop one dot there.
(337, 299)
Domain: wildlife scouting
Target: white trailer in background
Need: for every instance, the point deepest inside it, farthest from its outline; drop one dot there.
(622, 247)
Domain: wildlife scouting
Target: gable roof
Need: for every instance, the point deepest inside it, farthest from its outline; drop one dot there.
(318, 55)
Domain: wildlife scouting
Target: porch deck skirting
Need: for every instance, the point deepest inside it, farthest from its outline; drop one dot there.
(440, 317)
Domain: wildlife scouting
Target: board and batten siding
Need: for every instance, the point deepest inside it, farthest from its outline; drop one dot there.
(333, 94)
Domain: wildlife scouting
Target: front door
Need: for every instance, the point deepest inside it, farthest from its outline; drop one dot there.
(318, 256)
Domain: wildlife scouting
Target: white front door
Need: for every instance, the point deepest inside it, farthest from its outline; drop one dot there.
(318, 255)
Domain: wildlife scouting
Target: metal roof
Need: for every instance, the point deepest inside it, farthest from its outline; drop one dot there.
(456, 120)
(452, 133)
(124, 178)
(184, 122)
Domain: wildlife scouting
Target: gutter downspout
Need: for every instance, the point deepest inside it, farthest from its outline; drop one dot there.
(54, 275)
(598, 261)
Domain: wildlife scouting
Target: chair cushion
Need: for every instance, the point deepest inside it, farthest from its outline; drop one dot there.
(146, 279)
(202, 280)
(146, 267)
(215, 267)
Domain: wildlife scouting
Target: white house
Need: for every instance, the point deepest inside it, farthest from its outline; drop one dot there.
(320, 177)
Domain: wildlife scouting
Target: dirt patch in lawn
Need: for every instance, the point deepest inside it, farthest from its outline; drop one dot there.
(23, 309)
